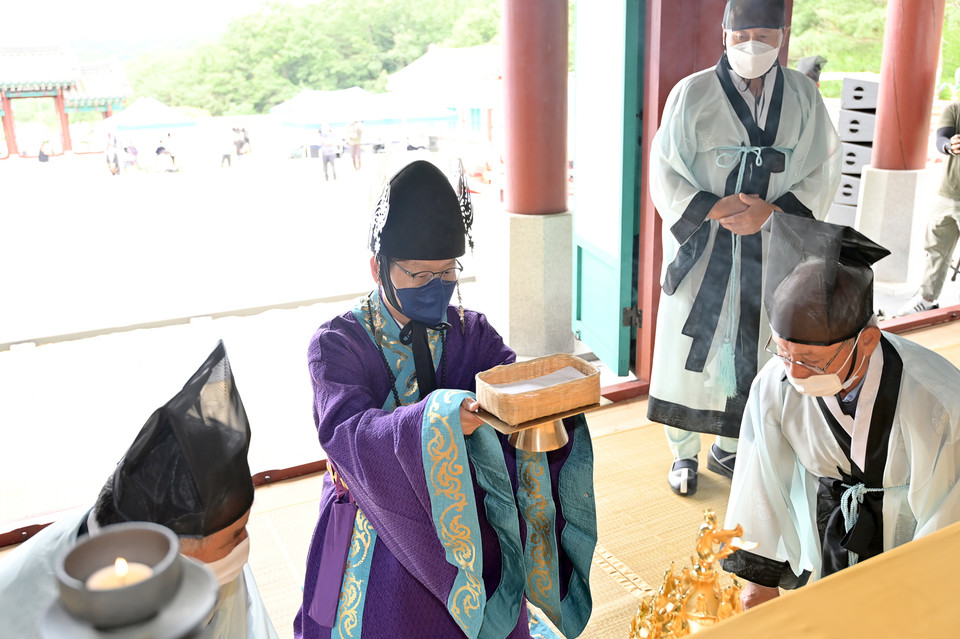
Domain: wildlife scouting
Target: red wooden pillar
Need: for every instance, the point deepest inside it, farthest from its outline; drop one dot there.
(64, 122)
(535, 106)
(908, 73)
(669, 59)
(9, 131)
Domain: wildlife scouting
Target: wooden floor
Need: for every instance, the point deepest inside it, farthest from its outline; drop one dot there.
(642, 525)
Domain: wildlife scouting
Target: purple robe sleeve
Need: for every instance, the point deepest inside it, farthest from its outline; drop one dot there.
(378, 453)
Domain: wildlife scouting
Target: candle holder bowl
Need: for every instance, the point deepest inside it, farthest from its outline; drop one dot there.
(146, 543)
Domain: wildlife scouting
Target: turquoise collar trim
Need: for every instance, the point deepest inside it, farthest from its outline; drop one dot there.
(399, 356)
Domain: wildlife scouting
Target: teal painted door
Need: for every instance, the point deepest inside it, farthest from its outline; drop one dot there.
(607, 92)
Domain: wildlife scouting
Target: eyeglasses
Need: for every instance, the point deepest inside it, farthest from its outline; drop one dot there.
(775, 351)
(422, 278)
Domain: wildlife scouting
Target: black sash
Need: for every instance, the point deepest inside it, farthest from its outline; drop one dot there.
(704, 317)
(414, 334)
(866, 536)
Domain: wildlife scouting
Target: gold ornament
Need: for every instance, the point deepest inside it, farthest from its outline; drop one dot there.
(693, 599)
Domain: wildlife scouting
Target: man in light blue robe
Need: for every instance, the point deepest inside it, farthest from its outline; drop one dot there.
(736, 142)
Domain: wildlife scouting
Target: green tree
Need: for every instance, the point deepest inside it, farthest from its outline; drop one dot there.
(950, 53)
(267, 57)
(848, 33)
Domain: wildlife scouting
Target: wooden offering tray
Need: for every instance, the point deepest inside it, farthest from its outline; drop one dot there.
(545, 387)
(528, 400)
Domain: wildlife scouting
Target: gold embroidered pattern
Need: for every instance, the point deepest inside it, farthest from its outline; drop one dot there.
(335, 476)
(446, 480)
(392, 345)
(539, 530)
(410, 389)
(348, 612)
(466, 600)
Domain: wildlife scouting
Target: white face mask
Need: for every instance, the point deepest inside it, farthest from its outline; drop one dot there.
(228, 568)
(825, 384)
(752, 58)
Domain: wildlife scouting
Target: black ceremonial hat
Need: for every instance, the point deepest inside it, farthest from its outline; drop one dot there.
(819, 280)
(187, 468)
(420, 216)
(754, 14)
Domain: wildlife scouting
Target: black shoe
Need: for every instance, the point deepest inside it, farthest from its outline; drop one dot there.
(720, 461)
(683, 477)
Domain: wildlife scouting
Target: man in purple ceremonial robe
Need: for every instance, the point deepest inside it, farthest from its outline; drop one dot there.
(431, 524)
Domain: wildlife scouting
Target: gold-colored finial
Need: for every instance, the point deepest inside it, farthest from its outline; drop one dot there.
(693, 599)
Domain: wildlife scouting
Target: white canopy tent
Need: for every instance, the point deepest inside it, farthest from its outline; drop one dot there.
(148, 113)
(312, 109)
(315, 109)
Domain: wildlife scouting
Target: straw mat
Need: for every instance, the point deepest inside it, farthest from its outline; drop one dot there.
(642, 525)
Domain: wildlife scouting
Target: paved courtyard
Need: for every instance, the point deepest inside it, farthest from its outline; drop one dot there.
(87, 255)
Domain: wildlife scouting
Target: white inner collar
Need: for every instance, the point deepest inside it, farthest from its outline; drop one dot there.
(759, 108)
(859, 427)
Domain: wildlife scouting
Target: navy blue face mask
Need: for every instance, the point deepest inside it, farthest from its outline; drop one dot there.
(428, 303)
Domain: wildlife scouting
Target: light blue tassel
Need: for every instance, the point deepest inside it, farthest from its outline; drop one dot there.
(727, 369)
(727, 363)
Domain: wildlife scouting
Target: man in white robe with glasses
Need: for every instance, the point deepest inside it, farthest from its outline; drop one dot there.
(850, 442)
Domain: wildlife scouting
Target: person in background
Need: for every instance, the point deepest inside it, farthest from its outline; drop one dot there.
(736, 143)
(112, 155)
(851, 435)
(431, 524)
(166, 158)
(241, 141)
(130, 157)
(329, 151)
(943, 228)
(811, 66)
(228, 146)
(355, 140)
(186, 470)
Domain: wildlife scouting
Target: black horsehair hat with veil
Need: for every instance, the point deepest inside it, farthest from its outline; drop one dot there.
(819, 284)
(420, 216)
(187, 468)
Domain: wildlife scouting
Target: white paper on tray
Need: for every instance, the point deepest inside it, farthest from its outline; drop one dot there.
(565, 374)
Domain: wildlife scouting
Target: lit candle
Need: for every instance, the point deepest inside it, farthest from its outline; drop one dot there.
(120, 574)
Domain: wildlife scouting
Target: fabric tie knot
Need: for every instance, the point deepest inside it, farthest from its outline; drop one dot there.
(850, 502)
(734, 154)
(414, 327)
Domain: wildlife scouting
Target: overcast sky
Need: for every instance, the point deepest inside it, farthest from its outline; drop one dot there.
(47, 22)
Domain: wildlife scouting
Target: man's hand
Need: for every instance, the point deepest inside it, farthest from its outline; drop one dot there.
(726, 207)
(757, 212)
(469, 420)
(955, 144)
(753, 595)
